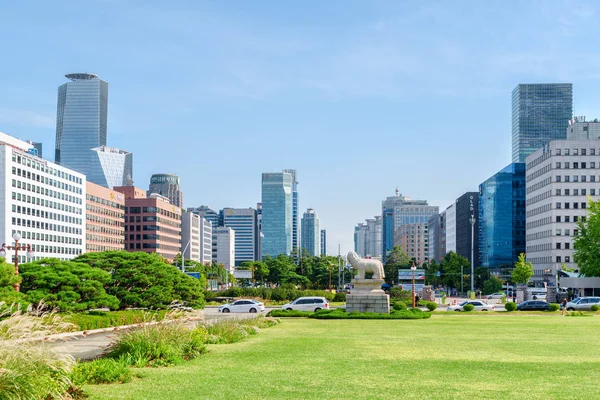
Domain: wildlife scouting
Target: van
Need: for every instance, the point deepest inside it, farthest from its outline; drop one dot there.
(307, 304)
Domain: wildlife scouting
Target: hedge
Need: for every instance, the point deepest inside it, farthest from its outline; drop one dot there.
(341, 314)
(289, 313)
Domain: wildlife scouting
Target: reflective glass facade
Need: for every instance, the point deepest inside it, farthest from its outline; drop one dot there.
(81, 119)
(311, 233)
(540, 113)
(502, 217)
(277, 208)
(295, 217)
(111, 167)
(245, 224)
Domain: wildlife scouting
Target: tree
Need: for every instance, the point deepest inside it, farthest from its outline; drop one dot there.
(523, 271)
(587, 243)
(451, 269)
(482, 274)
(492, 285)
(397, 258)
(8, 294)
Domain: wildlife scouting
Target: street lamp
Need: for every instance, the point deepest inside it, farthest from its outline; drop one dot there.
(472, 221)
(413, 269)
(16, 236)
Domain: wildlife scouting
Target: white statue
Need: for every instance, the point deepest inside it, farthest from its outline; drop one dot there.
(363, 265)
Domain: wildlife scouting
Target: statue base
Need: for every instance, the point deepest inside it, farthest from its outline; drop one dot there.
(367, 296)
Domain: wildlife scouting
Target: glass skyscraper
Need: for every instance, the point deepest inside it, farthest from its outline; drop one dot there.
(540, 113)
(244, 222)
(311, 233)
(277, 217)
(111, 167)
(295, 216)
(81, 118)
(502, 217)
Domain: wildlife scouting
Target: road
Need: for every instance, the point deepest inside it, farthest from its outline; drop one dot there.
(88, 347)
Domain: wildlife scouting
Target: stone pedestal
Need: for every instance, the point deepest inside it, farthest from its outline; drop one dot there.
(368, 296)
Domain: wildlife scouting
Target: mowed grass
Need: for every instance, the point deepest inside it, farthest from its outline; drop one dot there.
(445, 357)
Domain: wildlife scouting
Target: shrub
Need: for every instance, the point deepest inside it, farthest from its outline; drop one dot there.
(554, 307)
(468, 307)
(398, 293)
(341, 314)
(595, 307)
(399, 306)
(431, 305)
(233, 331)
(578, 314)
(98, 319)
(104, 370)
(288, 313)
(510, 306)
(158, 345)
(340, 297)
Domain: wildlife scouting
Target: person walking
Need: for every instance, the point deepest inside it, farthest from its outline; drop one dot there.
(563, 305)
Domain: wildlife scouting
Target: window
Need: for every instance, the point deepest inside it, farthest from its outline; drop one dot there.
(567, 178)
(558, 246)
(567, 246)
(558, 165)
(567, 232)
(583, 165)
(567, 218)
(558, 218)
(558, 192)
(557, 178)
(583, 178)
(575, 178)
(575, 192)
(583, 152)
(575, 205)
(575, 152)
(557, 152)
(558, 206)
(558, 232)
(583, 192)
(592, 178)
(575, 232)
(575, 165)
(567, 259)
(567, 206)
(558, 259)
(575, 218)
(593, 192)
(583, 205)
(567, 165)
(566, 152)
(567, 192)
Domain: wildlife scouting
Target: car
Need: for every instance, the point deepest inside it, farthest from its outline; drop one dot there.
(533, 305)
(495, 296)
(307, 304)
(477, 306)
(583, 303)
(180, 306)
(243, 305)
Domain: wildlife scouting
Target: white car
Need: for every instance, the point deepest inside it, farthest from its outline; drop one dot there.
(244, 305)
(495, 296)
(307, 304)
(583, 303)
(478, 306)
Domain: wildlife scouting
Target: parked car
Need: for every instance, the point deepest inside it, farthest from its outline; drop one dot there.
(244, 305)
(533, 305)
(477, 306)
(583, 303)
(495, 296)
(181, 306)
(307, 304)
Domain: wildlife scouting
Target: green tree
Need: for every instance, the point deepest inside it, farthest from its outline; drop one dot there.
(482, 274)
(431, 270)
(523, 271)
(492, 285)
(451, 269)
(587, 243)
(397, 259)
(67, 285)
(145, 279)
(8, 294)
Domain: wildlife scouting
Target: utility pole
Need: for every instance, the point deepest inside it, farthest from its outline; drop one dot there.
(339, 265)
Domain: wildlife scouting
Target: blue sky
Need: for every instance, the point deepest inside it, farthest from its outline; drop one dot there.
(359, 97)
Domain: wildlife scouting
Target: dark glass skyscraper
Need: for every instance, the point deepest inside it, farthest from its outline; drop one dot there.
(540, 113)
(276, 225)
(81, 119)
(502, 217)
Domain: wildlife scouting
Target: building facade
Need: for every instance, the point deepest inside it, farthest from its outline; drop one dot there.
(414, 240)
(110, 167)
(540, 113)
(311, 233)
(191, 236)
(152, 224)
(450, 214)
(206, 242)
(433, 230)
(388, 224)
(42, 201)
(104, 229)
(167, 185)
(277, 213)
(373, 237)
(323, 242)
(225, 247)
(244, 222)
(467, 207)
(81, 120)
(214, 218)
(560, 177)
(295, 211)
(360, 240)
(502, 217)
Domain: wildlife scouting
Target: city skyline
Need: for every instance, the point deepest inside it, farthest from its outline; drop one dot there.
(316, 96)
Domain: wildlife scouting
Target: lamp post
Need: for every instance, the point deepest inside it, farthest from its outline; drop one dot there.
(16, 236)
(472, 221)
(413, 269)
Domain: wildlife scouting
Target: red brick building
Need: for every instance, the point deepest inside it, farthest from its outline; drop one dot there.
(104, 218)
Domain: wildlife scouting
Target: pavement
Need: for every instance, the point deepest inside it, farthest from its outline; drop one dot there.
(91, 344)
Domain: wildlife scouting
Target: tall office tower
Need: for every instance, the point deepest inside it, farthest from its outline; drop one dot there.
(277, 205)
(214, 218)
(80, 120)
(245, 224)
(153, 224)
(311, 233)
(467, 206)
(450, 214)
(502, 217)
(206, 242)
(442, 234)
(191, 236)
(323, 242)
(540, 113)
(167, 185)
(433, 230)
(414, 240)
(44, 202)
(560, 177)
(360, 240)
(104, 227)
(295, 211)
(387, 219)
(225, 247)
(110, 167)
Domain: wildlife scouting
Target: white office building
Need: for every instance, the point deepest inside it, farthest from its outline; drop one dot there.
(190, 235)
(559, 177)
(225, 247)
(451, 228)
(42, 201)
(206, 241)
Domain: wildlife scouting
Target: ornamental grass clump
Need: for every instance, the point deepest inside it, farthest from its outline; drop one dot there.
(29, 370)
(233, 331)
(104, 370)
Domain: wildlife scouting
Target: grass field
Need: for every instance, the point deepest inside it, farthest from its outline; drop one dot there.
(445, 357)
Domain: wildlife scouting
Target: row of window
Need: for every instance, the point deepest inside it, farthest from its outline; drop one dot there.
(43, 214)
(139, 246)
(43, 167)
(104, 202)
(45, 226)
(105, 211)
(576, 165)
(574, 192)
(575, 152)
(94, 247)
(138, 228)
(104, 229)
(155, 210)
(103, 220)
(45, 237)
(567, 205)
(104, 239)
(576, 178)
(45, 191)
(45, 180)
(45, 203)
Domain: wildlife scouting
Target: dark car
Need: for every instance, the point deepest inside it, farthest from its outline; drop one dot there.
(533, 305)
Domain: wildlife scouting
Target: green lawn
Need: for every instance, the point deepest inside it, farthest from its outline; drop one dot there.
(445, 357)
